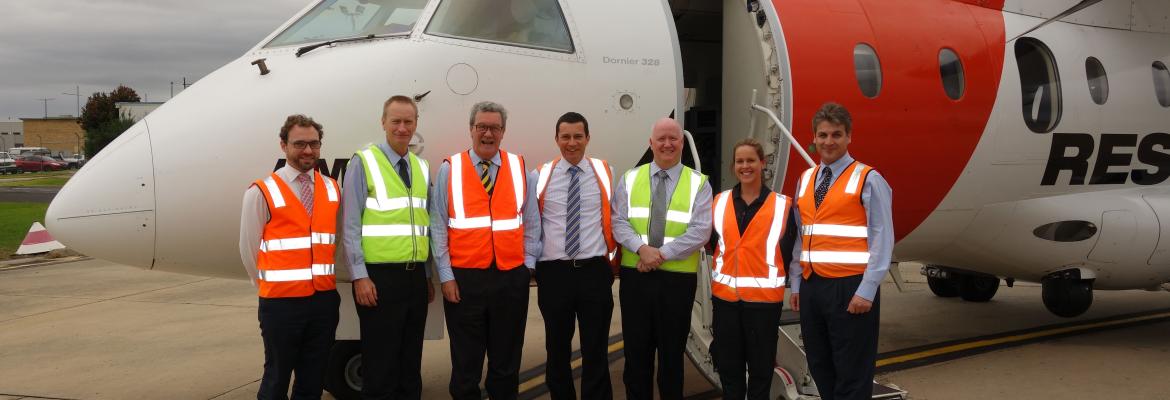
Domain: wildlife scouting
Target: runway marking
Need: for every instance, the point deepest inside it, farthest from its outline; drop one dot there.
(538, 380)
(935, 353)
(43, 263)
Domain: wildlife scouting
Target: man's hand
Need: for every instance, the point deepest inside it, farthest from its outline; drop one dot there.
(430, 292)
(365, 292)
(643, 267)
(794, 301)
(859, 305)
(650, 256)
(451, 291)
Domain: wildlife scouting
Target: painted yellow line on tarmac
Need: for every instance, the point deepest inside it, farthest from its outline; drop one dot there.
(1010, 339)
(539, 379)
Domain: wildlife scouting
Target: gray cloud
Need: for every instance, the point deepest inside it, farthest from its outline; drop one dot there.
(51, 46)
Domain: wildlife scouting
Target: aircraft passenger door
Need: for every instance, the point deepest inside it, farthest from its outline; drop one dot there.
(1160, 203)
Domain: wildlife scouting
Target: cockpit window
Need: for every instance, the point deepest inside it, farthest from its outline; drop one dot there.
(536, 24)
(337, 19)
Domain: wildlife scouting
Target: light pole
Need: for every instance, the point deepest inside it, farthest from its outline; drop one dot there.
(46, 101)
(77, 93)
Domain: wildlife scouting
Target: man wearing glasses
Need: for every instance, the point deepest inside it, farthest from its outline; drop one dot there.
(287, 235)
(386, 245)
(485, 236)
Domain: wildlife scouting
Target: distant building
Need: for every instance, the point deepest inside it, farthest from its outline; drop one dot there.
(58, 134)
(136, 110)
(11, 134)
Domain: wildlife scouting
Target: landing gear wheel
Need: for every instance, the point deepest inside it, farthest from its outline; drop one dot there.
(943, 287)
(1067, 297)
(343, 376)
(978, 288)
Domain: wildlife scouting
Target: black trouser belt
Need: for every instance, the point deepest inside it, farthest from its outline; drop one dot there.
(579, 263)
(409, 266)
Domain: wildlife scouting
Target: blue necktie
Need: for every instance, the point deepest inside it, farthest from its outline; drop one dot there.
(573, 215)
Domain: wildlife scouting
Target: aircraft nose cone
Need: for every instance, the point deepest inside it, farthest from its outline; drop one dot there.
(107, 210)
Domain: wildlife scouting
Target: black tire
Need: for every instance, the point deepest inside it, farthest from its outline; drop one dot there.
(343, 376)
(943, 287)
(1067, 297)
(978, 288)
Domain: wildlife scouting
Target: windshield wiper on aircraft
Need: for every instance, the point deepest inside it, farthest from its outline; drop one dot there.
(305, 49)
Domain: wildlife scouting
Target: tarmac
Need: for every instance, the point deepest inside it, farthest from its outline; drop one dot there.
(91, 329)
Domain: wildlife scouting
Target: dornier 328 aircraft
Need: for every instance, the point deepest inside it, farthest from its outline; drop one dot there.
(1024, 140)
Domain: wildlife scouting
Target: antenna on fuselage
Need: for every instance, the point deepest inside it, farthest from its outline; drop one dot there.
(1070, 11)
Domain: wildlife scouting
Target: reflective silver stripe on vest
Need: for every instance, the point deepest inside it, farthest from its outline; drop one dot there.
(330, 190)
(778, 224)
(542, 180)
(602, 173)
(298, 243)
(286, 275)
(835, 257)
(804, 178)
(518, 188)
(747, 281)
(671, 215)
(460, 219)
(375, 174)
(854, 178)
(323, 269)
(720, 210)
(394, 204)
(393, 230)
(277, 197)
(469, 223)
(835, 230)
(665, 240)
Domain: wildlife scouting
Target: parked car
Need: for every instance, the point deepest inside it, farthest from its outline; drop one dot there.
(39, 163)
(7, 164)
(75, 161)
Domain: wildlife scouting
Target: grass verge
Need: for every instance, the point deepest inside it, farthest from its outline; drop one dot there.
(15, 219)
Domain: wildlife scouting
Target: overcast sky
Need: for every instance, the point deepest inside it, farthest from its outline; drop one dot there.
(48, 47)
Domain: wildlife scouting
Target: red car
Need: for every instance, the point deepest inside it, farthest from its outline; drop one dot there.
(39, 163)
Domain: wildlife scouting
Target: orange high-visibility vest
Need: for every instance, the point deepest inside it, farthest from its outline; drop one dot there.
(604, 180)
(834, 236)
(483, 228)
(750, 267)
(296, 253)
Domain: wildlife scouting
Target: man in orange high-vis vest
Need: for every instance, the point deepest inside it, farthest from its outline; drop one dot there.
(847, 236)
(288, 229)
(573, 273)
(485, 238)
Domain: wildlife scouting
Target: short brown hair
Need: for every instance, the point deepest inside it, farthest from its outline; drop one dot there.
(302, 121)
(400, 99)
(835, 114)
(749, 142)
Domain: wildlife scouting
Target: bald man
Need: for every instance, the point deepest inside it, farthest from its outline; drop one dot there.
(661, 217)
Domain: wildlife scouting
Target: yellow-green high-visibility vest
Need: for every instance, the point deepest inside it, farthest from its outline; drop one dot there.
(678, 214)
(395, 222)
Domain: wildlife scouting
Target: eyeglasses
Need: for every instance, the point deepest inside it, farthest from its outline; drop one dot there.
(299, 145)
(482, 128)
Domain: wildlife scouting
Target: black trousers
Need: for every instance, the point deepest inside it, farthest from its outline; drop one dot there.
(656, 318)
(490, 317)
(298, 333)
(569, 294)
(841, 347)
(392, 332)
(745, 334)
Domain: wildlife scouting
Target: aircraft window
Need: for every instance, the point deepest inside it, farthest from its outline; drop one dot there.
(1162, 83)
(538, 24)
(868, 69)
(1039, 85)
(1098, 81)
(951, 69)
(338, 19)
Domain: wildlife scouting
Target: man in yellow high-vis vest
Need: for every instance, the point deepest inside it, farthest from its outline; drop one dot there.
(385, 224)
(661, 217)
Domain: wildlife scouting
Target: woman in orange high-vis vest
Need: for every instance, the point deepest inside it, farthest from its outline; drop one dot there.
(288, 230)
(756, 239)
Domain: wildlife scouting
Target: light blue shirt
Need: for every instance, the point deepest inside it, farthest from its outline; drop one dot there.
(698, 231)
(440, 249)
(353, 204)
(877, 198)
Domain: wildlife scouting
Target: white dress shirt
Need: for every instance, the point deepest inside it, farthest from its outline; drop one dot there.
(553, 218)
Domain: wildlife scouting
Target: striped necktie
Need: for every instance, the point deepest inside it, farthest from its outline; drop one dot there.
(573, 214)
(306, 192)
(485, 167)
